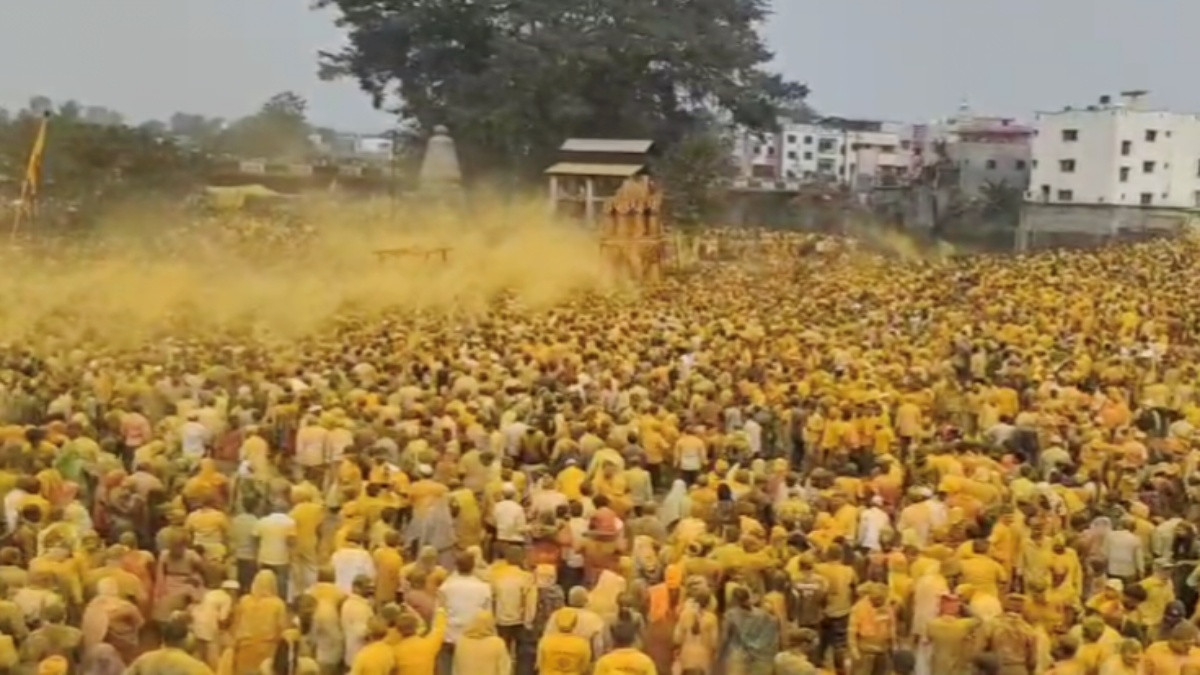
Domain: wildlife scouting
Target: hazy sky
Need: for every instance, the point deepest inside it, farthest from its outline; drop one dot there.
(894, 59)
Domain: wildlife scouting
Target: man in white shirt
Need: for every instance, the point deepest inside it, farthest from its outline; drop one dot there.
(312, 451)
(510, 519)
(193, 438)
(276, 536)
(463, 596)
(350, 562)
(871, 524)
(209, 615)
(546, 498)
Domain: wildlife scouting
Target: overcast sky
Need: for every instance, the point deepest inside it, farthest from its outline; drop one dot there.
(910, 60)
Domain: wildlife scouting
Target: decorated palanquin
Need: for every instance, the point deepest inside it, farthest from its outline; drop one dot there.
(631, 237)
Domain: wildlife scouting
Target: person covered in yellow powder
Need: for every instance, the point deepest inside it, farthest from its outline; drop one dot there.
(260, 619)
(173, 655)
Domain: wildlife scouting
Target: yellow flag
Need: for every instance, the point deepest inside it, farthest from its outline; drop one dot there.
(33, 172)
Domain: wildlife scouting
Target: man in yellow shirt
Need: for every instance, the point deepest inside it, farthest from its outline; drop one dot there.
(417, 654)
(839, 600)
(563, 652)
(625, 659)
(377, 657)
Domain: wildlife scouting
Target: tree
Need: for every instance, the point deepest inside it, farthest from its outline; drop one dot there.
(197, 128)
(89, 161)
(98, 114)
(1001, 202)
(40, 105)
(279, 130)
(695, 172)
(71, 110)
(154, 128)
(513, 79)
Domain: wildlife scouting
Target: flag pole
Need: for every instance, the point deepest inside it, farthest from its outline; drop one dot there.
(27, 204)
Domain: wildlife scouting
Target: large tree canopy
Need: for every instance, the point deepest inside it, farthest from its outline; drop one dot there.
(513, 78)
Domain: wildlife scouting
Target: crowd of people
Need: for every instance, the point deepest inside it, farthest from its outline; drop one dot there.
(839, 463)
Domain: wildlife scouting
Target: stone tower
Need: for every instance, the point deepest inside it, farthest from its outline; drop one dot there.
(440, 174)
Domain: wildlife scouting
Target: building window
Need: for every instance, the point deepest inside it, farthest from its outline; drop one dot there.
(1151, 135)
(964, 163)
(770, 151)
(1124, 174)
(825, 166)
(1196, 199)
(826, 145)
(1020, 165)
(1126, 147)
(1147, 198)
(808, 155)
(1035, 163)
(1066, 196)
(1066, 165)
(808, 140)
(889, 148)
(791, 154)
(1198, 169)
(991, 164)
(905, 145)
(1147, 167)
(791, 139)
(1070, 135)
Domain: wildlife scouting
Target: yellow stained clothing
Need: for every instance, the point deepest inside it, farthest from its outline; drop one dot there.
(65, 574)
(388, 563)
(168, 660)
(308, 517)
(570, 482)
(625, 662)
(468, 521)
(1159, 593)
(563, 654)
(376, 658)
(417, 655)
(983, 573)
(1160, 659)
(839, 598)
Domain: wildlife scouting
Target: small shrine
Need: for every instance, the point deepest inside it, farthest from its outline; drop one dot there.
(440, 177)
(589, 171)
(631, 230)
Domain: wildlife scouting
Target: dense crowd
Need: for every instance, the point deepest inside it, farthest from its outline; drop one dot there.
(835, 462)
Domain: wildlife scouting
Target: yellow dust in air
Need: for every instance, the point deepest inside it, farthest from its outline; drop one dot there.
(151, 270)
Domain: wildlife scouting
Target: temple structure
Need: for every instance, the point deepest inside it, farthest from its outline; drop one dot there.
(589, 171)
(440, 176)
(631, 231)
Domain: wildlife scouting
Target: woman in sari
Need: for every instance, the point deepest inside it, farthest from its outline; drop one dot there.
(110, 619)
(260, 619)
(180, 578)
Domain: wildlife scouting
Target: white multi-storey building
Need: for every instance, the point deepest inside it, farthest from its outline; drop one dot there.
(1116, 153)
(857, 154)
